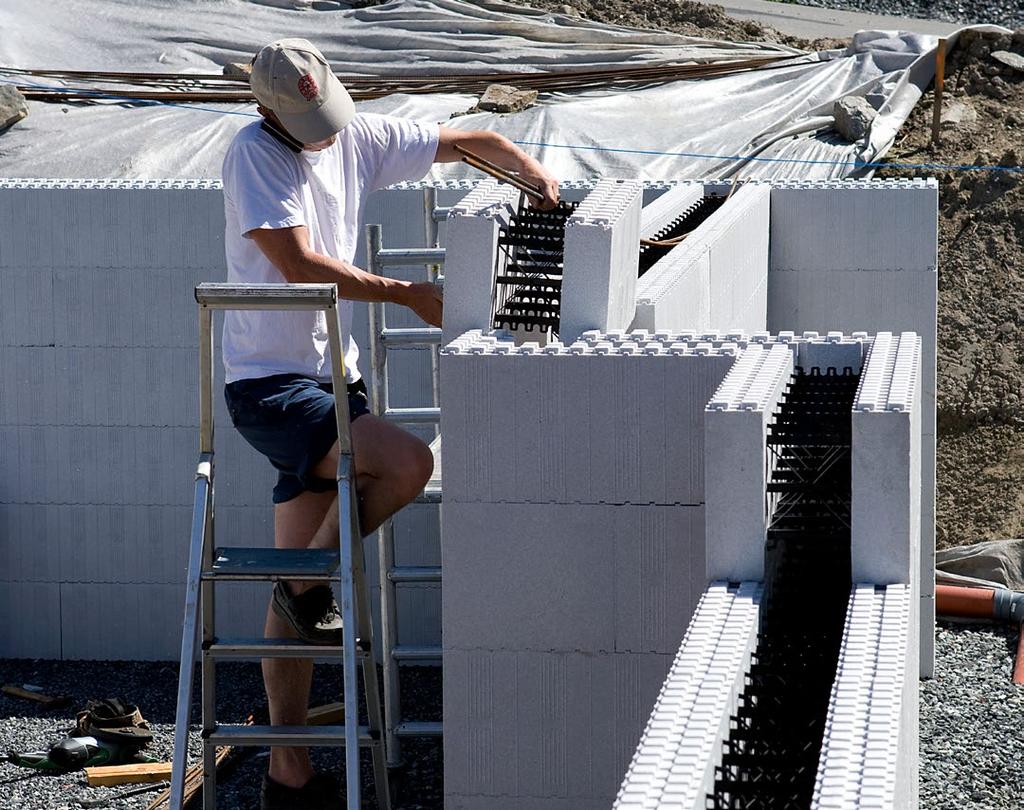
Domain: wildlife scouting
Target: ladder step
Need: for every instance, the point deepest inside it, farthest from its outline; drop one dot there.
(430, 494)
(333, 736)
(416, 652)
(415, 336)
(276, 648)
(415, 573)
(413, 416)
(416, 728)
(273, 564)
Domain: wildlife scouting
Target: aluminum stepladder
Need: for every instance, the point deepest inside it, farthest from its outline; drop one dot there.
(381, 339)
(208, 566)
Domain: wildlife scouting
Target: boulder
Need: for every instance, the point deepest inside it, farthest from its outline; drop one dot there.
(853, 117)
(504, 98)
(12, 106)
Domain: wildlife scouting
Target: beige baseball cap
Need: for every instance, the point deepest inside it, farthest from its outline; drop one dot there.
(292, 78)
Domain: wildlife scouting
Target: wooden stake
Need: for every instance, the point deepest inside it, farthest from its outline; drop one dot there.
(49, 701)
(326, 714)
(940, 78)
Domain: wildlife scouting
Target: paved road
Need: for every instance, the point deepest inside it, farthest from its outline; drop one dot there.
(811, 22)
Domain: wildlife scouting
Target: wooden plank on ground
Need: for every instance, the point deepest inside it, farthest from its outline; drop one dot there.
(326, 715)
(106, 775)
(49, 701)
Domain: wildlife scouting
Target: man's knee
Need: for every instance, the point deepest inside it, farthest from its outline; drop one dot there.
(415, 468)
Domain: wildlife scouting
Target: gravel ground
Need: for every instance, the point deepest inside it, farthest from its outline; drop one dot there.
(153, 686)
(971, 739)
(1008, 13)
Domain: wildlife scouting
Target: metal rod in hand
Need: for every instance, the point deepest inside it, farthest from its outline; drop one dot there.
(499, 173)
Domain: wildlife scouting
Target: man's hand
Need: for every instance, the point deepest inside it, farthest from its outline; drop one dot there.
(426, 300)
(547, 183)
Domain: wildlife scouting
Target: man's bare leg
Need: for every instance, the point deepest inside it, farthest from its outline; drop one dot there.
(392, 467)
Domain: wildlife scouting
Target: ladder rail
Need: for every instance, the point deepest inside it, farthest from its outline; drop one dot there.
(189, 646)
(348, 521)
(381, 338)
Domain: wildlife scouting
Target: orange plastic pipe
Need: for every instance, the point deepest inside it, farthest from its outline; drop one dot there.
(979, 603)
(954, 600)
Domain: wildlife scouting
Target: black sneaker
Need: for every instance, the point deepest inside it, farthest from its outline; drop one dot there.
(313, 614)
(321, 792)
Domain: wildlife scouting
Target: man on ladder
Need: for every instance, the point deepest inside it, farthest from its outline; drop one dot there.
(295, 185)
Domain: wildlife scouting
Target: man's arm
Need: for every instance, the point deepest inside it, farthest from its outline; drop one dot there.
(498, 149)
(289, 251)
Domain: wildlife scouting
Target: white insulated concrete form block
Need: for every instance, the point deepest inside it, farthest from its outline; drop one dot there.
(601, 256)
(570, 577)
(869, 753)
(737, 462)
(674, 764)
(471, 245)
(723, 263)
(601, 421)
(886, 463)
(854, 225)
(543, 730)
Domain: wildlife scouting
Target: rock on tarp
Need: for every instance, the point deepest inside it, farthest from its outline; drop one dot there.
(12, 106)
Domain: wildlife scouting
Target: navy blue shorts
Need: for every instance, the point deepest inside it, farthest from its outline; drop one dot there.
(289, 418)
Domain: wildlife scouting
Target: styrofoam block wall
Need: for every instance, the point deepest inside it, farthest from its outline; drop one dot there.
(869, 754)
(674, 764)
(470, 254)
(601, 256)
(862, 255)
(543, 730)
(732, 244)
(570, 577)
(737, 463)
(885, 519)
(99, 410)
(608, 419)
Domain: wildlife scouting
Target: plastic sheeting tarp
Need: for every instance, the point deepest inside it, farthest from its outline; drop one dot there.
(991, 564)
(783, 113)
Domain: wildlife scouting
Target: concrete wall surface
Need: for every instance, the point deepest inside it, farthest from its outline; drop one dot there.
(99, 418)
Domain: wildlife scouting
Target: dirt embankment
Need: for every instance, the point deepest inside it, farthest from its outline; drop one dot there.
(981, 288)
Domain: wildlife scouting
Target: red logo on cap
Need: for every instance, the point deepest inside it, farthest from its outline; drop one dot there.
(308, 88)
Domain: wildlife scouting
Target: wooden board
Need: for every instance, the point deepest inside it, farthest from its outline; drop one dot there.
(106, 775)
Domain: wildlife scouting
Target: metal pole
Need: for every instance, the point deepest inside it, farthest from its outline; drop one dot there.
(208, 665)
(940, 79)
(348, 536)
(386, 532)
(433, 271)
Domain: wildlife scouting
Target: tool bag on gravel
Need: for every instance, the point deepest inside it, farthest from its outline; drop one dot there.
(113, 720)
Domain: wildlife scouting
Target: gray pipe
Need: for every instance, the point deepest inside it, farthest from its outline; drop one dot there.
(1008, 605)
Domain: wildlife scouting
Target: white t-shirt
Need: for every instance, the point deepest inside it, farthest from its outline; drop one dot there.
(267, 185)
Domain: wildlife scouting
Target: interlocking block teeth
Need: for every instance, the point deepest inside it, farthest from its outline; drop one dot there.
(869, 749)
(674, 764)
